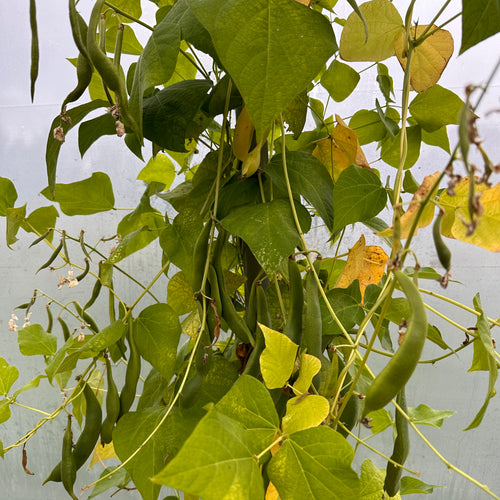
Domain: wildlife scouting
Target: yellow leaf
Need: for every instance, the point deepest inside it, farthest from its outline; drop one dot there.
(304, 413)
(307, 3)
(384, 27)
(409, 216)
(428, 59)
(309, 366)
(191, 324)
(353, 265)
(340, 150)
(364, 263)
(272, 493)
(102, 453)
(487, 233)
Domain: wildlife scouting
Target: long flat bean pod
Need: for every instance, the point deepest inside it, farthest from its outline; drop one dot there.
(400, 368)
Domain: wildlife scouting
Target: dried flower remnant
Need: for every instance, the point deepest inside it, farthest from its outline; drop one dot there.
(12, 323)
(120, 128)
(59, 134)
(69, 280)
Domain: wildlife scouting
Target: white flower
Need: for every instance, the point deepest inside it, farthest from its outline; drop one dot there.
(69, 280)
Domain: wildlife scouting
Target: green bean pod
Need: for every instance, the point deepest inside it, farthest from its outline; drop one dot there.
(53, 257)
(400, 368)
(95, 293)
(88, 438)
(67, 465)
(263, 317)
(50, 319)
(401, 449)
(293, 327)
(84, 73)
(127, 395)
(86, 317)
(35, 50)
(200, 256)
(443, 252)
(65, 328)
(312, 328)
(109, 72)
(78, 28)
(90, 434)
(42, 237)
(85, 271)
(112, 406)
(83, 246)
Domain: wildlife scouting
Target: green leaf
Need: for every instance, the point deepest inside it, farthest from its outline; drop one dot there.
(33, 340)
(308, 178)
(340, 80)
(8, 195)
(155, 66)
(180, 295)
(86, 197)
(486, 352)
(131, 7)
(104, 339)
(434, 335)
(268, 229)
(4, 411)
(156, 332)
(53, 146)
(304, 412)
(296, 114)
(217, 461)
(272, 51)
(133, 429)
(130, 44)
(158, 169)
(412, 485)
(8, 375)
(314, 463)
(277, 360)
(425, 415)
(372, 482)
(30, 385)
(358, 195)
(385, 82)
(368, 126)
(91, 130)
(346, 304)
(179, 238)
(138, 229)
(437, 138)
(384, 28)
(1, 450)
(117, 480)
(380, 420)
(250, 404)
(40, 220)
(480, 20)
(15, 219)
(436, 108)
(391, 148)
(172, 115)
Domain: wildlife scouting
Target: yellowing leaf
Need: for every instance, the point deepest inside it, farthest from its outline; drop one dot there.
(277, 360)
(409, 216)
(353, 265)
(272, 493)
(180, 295)
(340, 150)
(364, 263)
(101, 453)
(309, 366)
(487, 233)
(428, 59)
(384, 27)
(191, 324)
(304, 412)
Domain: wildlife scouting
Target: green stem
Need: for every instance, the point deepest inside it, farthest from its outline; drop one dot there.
(30, 408)
(449, 320)
(458, 304)
(199, 68)
(128, 16)
(429, 26)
